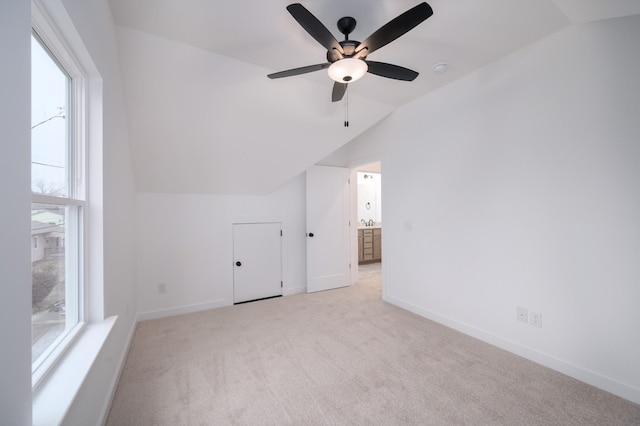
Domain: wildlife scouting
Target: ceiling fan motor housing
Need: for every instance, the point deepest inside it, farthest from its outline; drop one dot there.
(346, 25)
(349, 47)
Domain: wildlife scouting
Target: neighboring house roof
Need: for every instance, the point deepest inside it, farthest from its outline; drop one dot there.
(38, 228)
(47, 217)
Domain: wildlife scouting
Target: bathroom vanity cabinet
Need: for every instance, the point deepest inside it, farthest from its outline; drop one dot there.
(369, 245)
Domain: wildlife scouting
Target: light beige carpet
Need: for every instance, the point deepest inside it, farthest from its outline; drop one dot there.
(340, 357)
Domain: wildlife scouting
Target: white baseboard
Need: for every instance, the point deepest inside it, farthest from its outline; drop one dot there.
(294, 290)
(185, 309)
(602, 382)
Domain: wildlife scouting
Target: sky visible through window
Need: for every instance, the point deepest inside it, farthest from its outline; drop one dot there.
(49, 124)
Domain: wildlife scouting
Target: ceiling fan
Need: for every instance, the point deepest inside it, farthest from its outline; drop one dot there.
(347, 60)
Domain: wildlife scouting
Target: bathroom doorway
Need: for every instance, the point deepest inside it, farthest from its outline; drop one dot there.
(367, 199)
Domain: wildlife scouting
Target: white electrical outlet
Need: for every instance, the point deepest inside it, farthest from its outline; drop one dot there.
(522, 315)
(162, 288)
(535, 319)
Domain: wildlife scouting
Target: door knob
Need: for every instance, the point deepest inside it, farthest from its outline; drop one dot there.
(238, 263)
(310, 234)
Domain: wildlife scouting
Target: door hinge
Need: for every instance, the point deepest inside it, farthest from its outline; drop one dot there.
(281, 284)
(349, 266)
(281, 232)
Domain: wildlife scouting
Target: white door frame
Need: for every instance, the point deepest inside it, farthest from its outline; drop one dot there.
(354, 217)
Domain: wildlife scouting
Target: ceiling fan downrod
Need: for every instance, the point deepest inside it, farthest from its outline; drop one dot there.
(346, 25)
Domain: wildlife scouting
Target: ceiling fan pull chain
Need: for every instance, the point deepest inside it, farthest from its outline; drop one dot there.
(346, 108)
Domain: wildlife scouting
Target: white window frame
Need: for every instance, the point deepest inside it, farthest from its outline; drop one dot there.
(75, 227)
(63, 380)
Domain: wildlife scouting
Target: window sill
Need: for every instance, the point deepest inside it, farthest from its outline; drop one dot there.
(53, 397)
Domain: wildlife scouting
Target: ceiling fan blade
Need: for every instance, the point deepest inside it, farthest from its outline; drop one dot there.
(338, 92)
(391, 71)
(298, 71)
(314, 27)
(396, 27)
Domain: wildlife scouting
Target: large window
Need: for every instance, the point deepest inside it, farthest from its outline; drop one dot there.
(58, 201)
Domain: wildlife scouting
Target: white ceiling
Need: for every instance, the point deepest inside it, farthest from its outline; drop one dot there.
(204, 118)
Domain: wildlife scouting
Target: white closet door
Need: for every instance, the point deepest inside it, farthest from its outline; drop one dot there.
(257, 264)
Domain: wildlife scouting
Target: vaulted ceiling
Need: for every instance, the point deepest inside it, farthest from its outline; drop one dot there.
(204, 118)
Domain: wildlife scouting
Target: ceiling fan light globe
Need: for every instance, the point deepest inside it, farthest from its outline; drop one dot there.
(347, 70)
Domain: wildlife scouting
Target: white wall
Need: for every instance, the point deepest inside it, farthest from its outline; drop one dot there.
(15, 192)
(94, 23)
(519, 185)
(186, 242)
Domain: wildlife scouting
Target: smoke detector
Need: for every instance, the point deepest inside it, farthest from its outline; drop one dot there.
(440, 67)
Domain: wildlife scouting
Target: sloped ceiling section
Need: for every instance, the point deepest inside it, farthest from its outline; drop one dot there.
(204, 118)
(581, 11)
(204, 123)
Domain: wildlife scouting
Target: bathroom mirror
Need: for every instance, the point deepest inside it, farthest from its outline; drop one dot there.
(369, 205)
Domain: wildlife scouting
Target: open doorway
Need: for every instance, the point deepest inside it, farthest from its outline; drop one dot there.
(367, 214)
